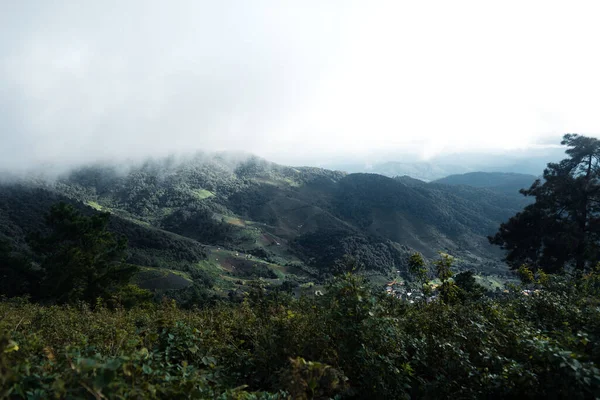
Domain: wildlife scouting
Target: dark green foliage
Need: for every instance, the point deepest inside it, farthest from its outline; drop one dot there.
(470, 289)
(523, 236)
(419, 272)
(351, 342)
(562, 228)
(449, 291)
(131, 295)
(347, 264)
(158, 280)
(501, 182)
(197, 295)
(326, 249)
(288, 285)
(420, 216)
(148, 246)
(262, 271)
(233, 202)
(17, 277)
(202, 277)
(443, 267)
(250, 202)
(369, 199)
(175, 366)
(22, 210)
(199, 224)
(250, 269)
(260, 253)
(79, 259)
(417, 268)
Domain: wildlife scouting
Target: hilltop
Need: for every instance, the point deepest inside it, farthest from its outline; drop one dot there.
(225, 220)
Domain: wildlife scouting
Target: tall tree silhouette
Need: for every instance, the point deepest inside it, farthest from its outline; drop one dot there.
(562, 228)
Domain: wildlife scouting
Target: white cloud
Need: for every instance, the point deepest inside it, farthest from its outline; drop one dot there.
(296, 82)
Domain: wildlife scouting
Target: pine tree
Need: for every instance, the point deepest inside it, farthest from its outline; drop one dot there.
(562, 228)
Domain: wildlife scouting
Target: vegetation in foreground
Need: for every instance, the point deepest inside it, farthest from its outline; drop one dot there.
(351, 342)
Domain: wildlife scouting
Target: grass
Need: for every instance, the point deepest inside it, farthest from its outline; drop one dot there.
(166, 211)
(493, 282)
(202, 194)
(234, 221)
(291, 182)
(140, 222)
(94, 205)
(211, 266)
(219, 266)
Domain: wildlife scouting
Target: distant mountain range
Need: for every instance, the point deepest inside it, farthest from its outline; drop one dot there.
(215, 214)
(529, 162)
(502, 182)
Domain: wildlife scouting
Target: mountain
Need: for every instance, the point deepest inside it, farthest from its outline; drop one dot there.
(502, 182)
(22, 210)
(526, 161)
(426, 171)
(231, 220)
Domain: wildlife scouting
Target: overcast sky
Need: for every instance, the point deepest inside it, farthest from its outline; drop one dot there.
(296, 82)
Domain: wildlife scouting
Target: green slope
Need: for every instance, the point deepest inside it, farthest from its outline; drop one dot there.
(290, 221)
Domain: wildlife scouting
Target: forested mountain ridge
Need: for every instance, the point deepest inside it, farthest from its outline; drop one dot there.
(23, 208)
(501, 182)
(305, 217)
(530, 161)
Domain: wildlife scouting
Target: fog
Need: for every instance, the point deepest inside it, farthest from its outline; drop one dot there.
(311, 82)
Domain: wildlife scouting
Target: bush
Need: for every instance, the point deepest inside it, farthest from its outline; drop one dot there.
(352, 342)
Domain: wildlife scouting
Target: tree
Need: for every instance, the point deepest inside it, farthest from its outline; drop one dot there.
(562, 228)
(449, 291)
(79, 258)
(418, 269)
(416, 266)
(17, 278)
(470, 289)
(347, 263)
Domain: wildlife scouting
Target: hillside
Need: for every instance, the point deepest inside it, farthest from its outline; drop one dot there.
(426, 171)
(236, 220)
(502, 182)
(22, 210)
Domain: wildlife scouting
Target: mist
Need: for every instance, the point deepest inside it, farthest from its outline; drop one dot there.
(299, 83)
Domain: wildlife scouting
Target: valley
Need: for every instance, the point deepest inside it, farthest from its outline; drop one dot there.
(213, 223)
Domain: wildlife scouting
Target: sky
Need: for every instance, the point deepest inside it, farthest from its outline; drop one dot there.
(297, 82)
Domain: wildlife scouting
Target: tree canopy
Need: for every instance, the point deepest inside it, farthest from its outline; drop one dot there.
(79, 259)
(561, 229)
(17, 278)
